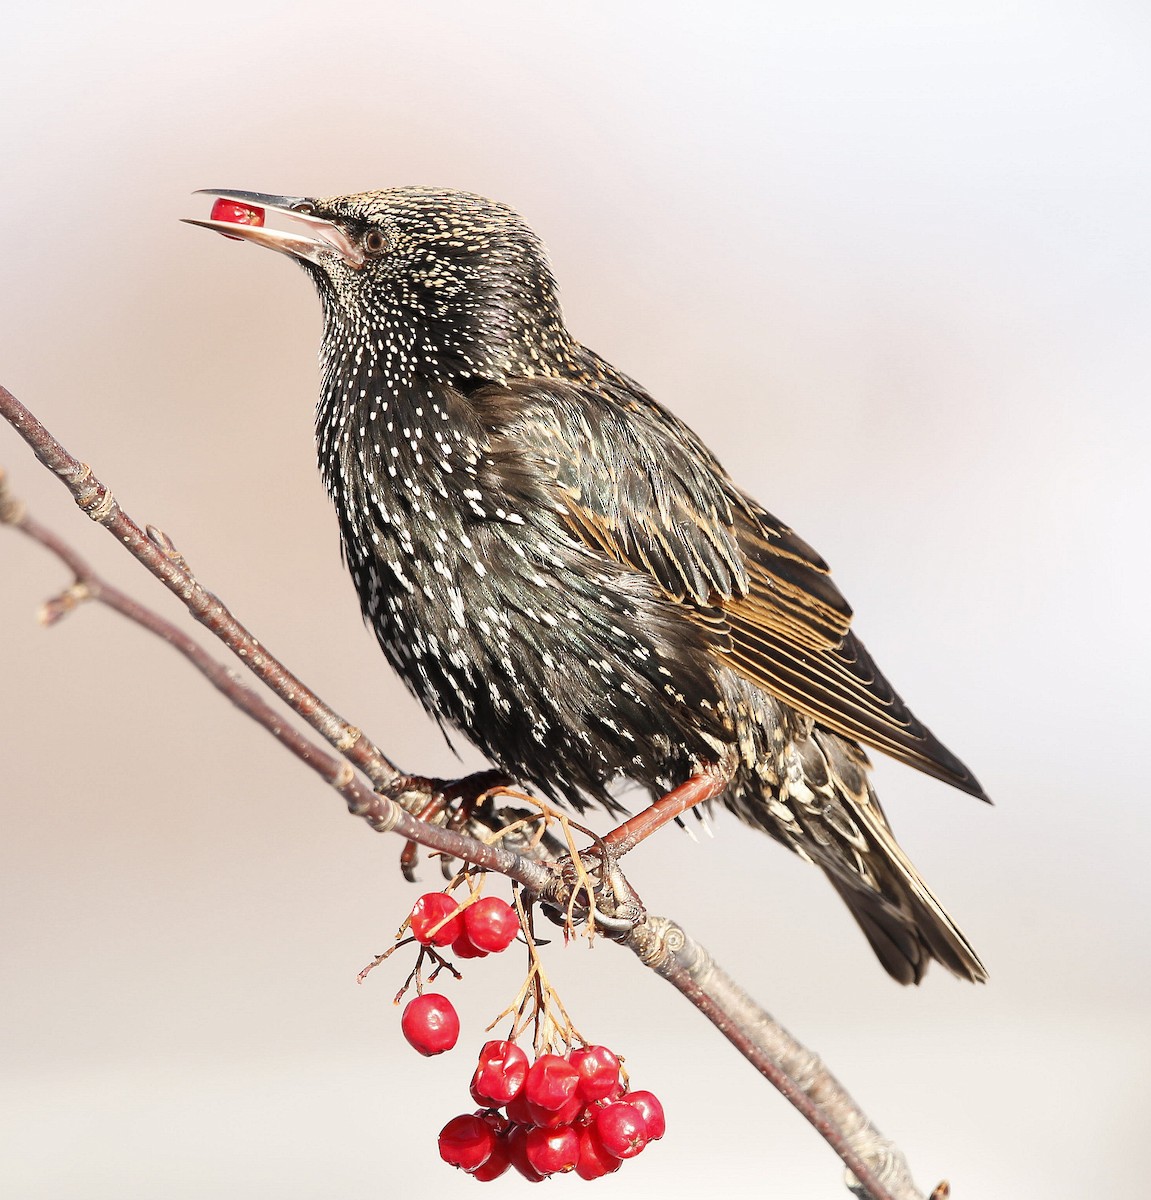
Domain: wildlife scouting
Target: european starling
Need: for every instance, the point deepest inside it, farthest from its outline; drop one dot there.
(558, 566)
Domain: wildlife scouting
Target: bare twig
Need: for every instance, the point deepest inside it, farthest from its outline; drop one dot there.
(381, 812)
(97, 501)
(876, 1169)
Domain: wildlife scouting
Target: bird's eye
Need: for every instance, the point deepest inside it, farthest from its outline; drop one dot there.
(305, 206)
(375, 242)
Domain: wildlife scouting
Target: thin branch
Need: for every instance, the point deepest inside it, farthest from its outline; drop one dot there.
(876, 1169)
(158, 555)
(381, 812)
(876, 1166)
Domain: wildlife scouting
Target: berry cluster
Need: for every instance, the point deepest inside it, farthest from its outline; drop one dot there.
(569, 1112)
(485, 927)
(560, 1113)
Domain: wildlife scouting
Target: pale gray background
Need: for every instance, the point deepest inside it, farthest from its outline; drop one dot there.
(891, 260)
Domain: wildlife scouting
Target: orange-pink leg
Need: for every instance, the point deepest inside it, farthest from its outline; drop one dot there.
(707, 785)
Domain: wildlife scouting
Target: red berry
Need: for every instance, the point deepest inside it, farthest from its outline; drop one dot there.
(552, 1081)
(236, 214)
(499, 1077)
(427, 913)
(466, 1142)
(431, 1024)
(594, 1160)
(622, 1128)
(520, 1111)
(518, 1153)
(548, 1118)
(598, 1069)
(497, 1163)
(552, 1151)
(492, 924)
(652, 1112)
(464, 947)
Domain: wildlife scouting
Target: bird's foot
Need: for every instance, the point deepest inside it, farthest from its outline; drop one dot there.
(599, 893)
(448, 802)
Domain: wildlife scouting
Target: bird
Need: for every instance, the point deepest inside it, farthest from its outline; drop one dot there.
(558, 567)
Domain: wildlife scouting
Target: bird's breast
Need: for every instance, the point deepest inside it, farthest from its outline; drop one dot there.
(494, 613)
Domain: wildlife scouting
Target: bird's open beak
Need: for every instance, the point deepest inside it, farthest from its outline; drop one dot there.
(314, 238)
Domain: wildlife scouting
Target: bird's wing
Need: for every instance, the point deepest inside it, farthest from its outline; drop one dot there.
(836, 682)
(636, 484)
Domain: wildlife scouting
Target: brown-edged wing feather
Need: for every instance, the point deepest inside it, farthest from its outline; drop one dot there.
(789, 636)
(634, 483)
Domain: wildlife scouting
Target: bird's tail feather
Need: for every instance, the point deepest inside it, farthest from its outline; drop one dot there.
(906, 938)
(901, 918)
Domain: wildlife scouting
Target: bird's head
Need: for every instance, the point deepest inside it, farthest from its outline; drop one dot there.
(434, 281)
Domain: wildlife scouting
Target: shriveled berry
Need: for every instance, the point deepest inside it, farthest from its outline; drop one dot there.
(520, 1111)
(598, 1070)
(236, 214)
(431, 1024)
(463, 947)
(499, 1077)
(552, 1081)
(594, 1160)
(427, 913)
(622, 1128)
(552, 1151)
(518, 1153)
(497, 1163)
(652, 1112)
(491, 924)
(466, 1142)
(550, 1118)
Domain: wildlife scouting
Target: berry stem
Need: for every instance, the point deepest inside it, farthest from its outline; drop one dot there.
(537, 1004)
(386, 954)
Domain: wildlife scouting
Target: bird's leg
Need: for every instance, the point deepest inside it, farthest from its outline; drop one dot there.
(701, 787)
(615, 907)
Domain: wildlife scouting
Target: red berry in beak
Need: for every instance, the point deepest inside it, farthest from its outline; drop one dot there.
(236, 214)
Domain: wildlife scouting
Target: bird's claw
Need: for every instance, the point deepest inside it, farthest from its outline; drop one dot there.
(447, 802)
(611, 906)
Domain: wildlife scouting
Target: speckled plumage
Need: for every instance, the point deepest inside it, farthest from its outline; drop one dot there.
(558, 567)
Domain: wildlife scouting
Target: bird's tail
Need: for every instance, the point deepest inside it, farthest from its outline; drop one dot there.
(907, 935)
(853, 843)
